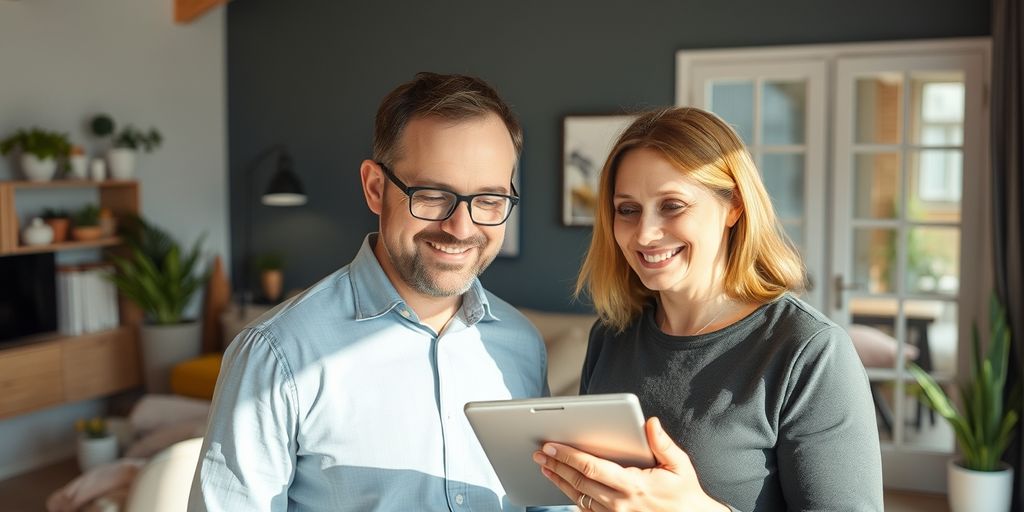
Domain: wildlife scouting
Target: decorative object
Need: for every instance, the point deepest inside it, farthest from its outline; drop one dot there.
(161, 279)
(96, 445)
(86, 224)
(59, 221)
(217, 299)
(586, 142)
(188, 10)
(37, 233)
(126, 144)
(78, 164)
(284, 189)
(98, 170)
(40, 150)
(980, 480)
(269, 266)
(107, 222)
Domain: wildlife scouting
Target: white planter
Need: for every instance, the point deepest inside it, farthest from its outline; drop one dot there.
(78, 167)
(122, 163)
(36, 169)
(93, 452)
(973, 491)
(37, 233)
(164, 346)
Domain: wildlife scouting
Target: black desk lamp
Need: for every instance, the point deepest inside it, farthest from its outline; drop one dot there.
(284, 189)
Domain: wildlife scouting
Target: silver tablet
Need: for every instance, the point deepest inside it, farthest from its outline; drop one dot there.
(608, 426)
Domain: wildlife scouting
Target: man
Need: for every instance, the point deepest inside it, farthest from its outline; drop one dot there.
(350, 396)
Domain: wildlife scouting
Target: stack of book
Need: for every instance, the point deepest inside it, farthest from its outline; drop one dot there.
(86, 299)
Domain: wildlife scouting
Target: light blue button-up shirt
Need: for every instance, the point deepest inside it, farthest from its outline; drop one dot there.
(339, 399)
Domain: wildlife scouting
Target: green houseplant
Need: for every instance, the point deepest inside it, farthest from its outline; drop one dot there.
(86, 223)
(985, 426)
(269, 266)
(126, 144)
(40, 150)
(161, 278)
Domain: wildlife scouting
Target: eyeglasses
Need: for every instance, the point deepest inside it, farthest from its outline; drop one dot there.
(434, 204)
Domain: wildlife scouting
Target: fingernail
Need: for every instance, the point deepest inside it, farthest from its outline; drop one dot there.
(550, 450)
(539, 458)
(546, 472)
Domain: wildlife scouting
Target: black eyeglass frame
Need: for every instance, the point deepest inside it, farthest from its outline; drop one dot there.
(459, 198)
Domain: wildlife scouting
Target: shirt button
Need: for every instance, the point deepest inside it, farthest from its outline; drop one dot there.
(405, 313)
(459, 499)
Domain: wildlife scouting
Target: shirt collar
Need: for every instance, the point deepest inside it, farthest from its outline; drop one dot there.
(374, 295)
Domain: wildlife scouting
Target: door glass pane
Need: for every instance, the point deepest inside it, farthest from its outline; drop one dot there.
(795, 231)
(874, 257)
(878, 111)
(783, 112)
(733, 101)
(933, 260)
(936, 184)
(876, 186)
(783, 176)
(925, 429)
(938, 108)
(932, 330)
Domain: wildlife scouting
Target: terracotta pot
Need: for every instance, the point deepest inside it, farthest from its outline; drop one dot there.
(60, 227)
(86, 233)
(271, 282)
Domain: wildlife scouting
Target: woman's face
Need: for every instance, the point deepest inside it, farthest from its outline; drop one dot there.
(671, 229)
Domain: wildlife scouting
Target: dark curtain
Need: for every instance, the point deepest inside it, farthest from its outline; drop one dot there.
(1008, 193)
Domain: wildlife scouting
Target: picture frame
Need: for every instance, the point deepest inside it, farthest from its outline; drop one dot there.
(587, 139)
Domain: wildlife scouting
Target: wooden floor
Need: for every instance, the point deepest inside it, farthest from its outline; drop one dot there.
(28, 492)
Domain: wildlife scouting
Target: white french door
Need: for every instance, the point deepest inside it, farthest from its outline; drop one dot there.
(874, 157)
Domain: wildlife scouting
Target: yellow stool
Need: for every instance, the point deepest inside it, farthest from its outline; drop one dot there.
(196, 377)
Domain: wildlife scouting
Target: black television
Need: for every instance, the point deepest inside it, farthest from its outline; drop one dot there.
(28, 295)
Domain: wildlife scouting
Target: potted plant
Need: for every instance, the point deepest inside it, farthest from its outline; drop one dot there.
(96, 444)
(161, 279)
(40, 150)
(979, 480)
(269, 266)
(86, 223)
(59, 221)
(78, 163)
(126, 144)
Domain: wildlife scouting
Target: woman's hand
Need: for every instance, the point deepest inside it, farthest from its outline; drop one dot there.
(601, 485)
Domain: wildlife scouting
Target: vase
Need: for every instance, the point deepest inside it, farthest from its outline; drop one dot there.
(78, 167)
(60, 226)
(37, 233)
(95, 451)
(164, 346)
(37, 169)
(98, 170)
(971, 491)
(271, 282)
(122, 163)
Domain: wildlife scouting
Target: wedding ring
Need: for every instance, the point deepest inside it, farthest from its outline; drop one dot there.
(590, 501)
(580, 501)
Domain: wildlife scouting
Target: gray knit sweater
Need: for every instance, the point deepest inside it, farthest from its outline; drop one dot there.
(775, 410)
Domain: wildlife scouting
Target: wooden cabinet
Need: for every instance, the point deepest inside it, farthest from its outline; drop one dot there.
(49, 370)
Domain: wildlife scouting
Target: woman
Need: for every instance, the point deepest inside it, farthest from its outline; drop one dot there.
(764, 402)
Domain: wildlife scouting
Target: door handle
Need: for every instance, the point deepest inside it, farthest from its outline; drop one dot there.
(840, 286)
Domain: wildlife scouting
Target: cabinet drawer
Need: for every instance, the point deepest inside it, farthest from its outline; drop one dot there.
(30, 379)
(99, 364)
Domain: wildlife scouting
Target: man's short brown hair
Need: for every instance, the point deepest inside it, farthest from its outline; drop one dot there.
(450, 97)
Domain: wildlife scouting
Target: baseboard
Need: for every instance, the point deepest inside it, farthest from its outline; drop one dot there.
(36, 461)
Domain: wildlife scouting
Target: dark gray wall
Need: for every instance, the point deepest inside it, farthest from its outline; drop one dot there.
(311, 73)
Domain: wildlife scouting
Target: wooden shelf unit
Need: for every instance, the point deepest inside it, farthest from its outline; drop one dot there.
(48, 370)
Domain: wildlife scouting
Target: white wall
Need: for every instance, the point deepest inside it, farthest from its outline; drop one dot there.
(62, 61)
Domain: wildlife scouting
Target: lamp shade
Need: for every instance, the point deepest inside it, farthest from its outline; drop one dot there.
(284, 189)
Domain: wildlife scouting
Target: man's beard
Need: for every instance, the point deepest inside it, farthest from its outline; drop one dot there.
(425, 280)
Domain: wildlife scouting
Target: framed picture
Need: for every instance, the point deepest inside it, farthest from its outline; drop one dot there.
(586, 142)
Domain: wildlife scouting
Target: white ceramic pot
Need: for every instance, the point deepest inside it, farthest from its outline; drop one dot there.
(94, 451)
(37, 233)
(98, 170)
(122, 163)
(973, 491)
(78, 167)
(36, 169)
(164, 346)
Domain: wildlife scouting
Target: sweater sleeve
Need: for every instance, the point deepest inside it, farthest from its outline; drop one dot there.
(828, 451)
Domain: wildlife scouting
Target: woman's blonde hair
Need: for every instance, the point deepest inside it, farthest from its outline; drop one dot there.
(761, 263)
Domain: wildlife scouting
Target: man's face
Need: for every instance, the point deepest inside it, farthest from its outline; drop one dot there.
(441, 258)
